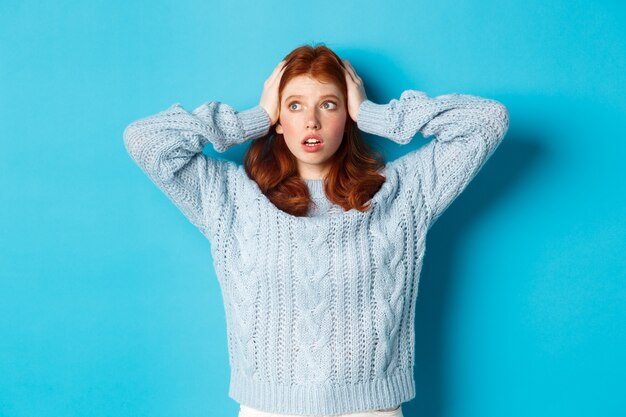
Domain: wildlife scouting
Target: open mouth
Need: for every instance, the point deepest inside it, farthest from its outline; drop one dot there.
(312, 140)
(312, 143)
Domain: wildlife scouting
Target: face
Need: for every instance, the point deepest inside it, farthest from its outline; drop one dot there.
(309, 107)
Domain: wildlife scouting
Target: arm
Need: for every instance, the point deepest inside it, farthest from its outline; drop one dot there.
(467, 131)
(168, 147)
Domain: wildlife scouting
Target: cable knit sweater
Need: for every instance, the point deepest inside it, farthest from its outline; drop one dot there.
(319, 309)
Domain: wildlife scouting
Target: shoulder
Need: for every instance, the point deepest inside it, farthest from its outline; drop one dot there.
(395, 173)
(240, 191)
(230, 190)
(404, 177)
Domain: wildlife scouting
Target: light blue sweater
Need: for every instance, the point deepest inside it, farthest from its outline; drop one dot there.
(319, 310)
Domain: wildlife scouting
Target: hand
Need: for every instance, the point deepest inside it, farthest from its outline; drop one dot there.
(356, 91)
(269, 98)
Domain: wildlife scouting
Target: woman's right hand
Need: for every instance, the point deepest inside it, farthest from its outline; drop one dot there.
(269, 98)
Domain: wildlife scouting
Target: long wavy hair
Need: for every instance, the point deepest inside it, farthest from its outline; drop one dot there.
(353, 178)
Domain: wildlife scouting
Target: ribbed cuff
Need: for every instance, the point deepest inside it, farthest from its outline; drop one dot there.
(256, 122)
(373, 118)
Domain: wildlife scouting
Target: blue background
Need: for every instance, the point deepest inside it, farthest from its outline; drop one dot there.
(109, 305)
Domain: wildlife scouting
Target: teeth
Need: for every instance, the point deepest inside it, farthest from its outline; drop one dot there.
(312, 141)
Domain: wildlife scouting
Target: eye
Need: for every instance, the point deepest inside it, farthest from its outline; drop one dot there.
(293, 103)
(332, 103)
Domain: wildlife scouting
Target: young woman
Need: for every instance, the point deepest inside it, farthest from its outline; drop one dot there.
(317, 243)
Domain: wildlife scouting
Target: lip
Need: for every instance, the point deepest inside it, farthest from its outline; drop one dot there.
(312, 135)
(312, 148)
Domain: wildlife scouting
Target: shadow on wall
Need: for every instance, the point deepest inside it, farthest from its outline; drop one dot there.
(515, 155)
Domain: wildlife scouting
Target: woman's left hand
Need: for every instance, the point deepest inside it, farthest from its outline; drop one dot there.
(356, 91)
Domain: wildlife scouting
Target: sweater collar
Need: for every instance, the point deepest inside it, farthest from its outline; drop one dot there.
(316, 187)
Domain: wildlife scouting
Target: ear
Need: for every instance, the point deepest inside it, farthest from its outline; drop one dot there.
(279, 128)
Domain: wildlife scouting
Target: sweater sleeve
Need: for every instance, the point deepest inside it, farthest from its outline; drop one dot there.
(467, 129)
(168, 147)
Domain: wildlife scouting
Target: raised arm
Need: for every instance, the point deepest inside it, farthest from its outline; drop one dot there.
(168, 148)
(467, 129)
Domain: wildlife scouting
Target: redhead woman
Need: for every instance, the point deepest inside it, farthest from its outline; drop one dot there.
(317, 242)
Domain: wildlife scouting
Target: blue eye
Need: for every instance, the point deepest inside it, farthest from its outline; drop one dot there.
(332, 103)
(291, 104)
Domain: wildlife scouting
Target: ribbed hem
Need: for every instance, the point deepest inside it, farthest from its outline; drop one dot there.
(373, 118)
(325, 399)
(256, 122)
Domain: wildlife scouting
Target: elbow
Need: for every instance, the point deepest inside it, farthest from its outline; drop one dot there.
(146, 147)
(501, 118)
(129, 136)
(128, 132)
(132, 140)
(136, 142)
(495, 118)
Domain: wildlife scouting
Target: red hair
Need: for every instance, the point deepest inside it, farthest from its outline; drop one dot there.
(353, 178)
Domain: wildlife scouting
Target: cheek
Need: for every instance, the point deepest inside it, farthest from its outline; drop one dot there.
(288, 125)
(291, 134)
(337, 126)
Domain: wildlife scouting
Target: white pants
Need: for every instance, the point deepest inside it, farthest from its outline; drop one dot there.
(245, 411)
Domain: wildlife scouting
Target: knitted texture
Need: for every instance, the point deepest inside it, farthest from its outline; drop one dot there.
(319, 309)
(321, 204)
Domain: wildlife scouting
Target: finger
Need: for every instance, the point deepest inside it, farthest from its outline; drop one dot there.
(349, 66)
(348, 70)
(355, 76)
(280, 66)
(352, 72)
(348, 77)
(277, 70)
(283, 65)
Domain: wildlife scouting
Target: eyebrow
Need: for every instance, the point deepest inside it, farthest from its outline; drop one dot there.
(322, 97)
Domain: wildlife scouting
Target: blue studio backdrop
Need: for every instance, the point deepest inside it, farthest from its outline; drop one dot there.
(109, 304)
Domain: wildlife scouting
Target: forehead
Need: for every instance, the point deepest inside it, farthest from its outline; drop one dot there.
(308, 86)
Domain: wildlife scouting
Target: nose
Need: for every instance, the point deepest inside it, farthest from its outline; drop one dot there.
(312, 121)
